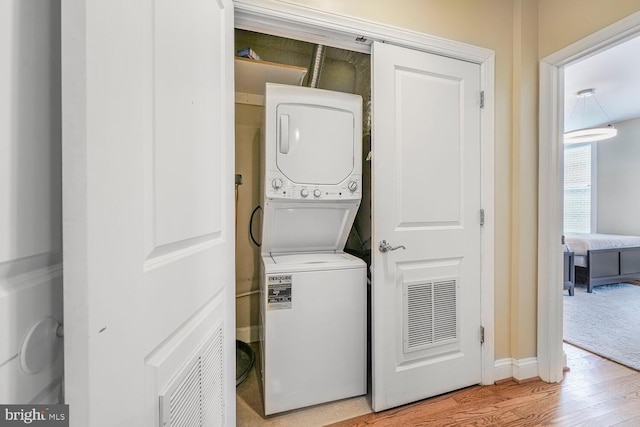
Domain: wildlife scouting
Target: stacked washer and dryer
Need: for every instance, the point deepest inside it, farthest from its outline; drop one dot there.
(313, 294)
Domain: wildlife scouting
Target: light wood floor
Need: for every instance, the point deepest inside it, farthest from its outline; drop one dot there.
(595, 392)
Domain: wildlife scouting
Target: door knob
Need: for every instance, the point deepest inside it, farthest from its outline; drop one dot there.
(384, 246)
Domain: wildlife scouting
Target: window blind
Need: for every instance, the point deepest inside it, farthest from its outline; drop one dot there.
(577, 188)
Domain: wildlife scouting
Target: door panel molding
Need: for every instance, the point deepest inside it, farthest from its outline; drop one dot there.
(172, 252)
(185, 205)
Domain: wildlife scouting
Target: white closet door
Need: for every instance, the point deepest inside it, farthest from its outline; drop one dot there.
(148, 211)
(426, 197)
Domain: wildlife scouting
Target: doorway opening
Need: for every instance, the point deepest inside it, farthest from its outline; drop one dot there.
(550, 266)
(600, 214)
(350, 33)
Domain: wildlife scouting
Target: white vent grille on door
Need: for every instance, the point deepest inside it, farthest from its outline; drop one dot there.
(431, 314)
(194, 397)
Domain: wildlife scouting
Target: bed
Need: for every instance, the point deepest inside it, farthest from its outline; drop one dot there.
(601, 259)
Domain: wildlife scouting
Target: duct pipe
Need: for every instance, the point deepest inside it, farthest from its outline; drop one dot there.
(316, 65)
(362, 65)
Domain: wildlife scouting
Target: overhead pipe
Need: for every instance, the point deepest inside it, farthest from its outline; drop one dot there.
(317, 61)
(362, 66)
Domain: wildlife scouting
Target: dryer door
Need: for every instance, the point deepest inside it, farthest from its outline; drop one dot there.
(315, 144)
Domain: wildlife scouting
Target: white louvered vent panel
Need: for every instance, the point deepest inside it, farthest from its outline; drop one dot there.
(430, 314)
(212, 363)
(184, 402)
(445, 311)
(419, 315)
(194, 397)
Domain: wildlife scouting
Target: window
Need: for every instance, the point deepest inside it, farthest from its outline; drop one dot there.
(579, 195)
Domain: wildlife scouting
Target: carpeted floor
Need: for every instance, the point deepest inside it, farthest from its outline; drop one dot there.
(605, 322)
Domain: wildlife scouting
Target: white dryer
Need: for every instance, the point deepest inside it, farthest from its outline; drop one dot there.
(313, 295)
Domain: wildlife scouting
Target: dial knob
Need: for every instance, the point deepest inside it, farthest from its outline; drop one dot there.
(276, 183)
(353, 186)
(304, 192)
(317, 192)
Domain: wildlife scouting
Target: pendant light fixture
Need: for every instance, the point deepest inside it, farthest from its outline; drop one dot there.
(589, 134)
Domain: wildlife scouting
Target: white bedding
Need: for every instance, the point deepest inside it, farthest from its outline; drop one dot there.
(580, 260)
(580, 243)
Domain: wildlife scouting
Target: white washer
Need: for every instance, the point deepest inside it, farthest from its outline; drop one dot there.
(313, 295)
(314, 338)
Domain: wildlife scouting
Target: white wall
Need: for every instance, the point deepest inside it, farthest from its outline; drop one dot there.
(30, 199)
(619, 181)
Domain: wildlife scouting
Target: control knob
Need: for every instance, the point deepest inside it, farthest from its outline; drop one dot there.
(276, 183)
(317, 192)
(352, 186)
(304, 192)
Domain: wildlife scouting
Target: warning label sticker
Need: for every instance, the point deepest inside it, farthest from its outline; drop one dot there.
(279, 292)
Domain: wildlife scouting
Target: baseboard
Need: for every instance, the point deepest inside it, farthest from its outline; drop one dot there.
(518, 369)
(503, 369)
(525, 368)
(248, 334)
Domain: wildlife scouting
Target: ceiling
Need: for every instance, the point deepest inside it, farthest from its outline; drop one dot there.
(615, 76)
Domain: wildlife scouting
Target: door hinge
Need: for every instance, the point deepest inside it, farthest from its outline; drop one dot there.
(481, 217)
(481, 99)
(481, 334)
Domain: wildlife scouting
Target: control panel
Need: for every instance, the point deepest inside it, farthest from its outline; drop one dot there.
(278, 187)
